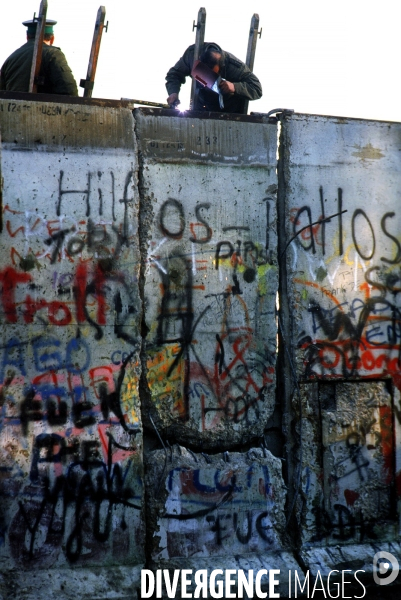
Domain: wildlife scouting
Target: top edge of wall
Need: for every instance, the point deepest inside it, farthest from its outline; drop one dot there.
(205, 115)
(50, 126)
(339, 119)
(64, 99)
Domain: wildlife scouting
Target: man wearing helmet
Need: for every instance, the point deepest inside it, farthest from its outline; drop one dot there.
(237, 83)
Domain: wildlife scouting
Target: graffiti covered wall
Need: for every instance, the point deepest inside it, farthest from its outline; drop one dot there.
(218, 506)
(211, 276)
(342, 254)
(142, 254)
(74, 237)
(70, 429)
(344, 280)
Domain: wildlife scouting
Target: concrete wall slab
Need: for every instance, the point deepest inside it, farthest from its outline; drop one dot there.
(340, 251)
(208, 215)
(70, 434)
(343, 272)
(204, 506)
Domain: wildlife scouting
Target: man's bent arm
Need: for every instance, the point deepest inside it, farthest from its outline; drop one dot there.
(176, 75)
(249, 86)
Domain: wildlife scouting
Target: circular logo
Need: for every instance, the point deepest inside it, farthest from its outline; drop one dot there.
(385, 568)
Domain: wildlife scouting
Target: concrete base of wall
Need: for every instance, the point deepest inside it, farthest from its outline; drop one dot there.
(284, 562)
(355, 558)
(97, 583)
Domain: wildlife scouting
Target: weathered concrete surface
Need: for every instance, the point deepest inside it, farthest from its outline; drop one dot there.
(343, 273)
(70, 431)
(91, 583)
(348, 492)
(250, 564)
(205, 506)
(84, 246)
(47, 126)
(223, 511)
(208, 226)
(353, 558)
(340, 223)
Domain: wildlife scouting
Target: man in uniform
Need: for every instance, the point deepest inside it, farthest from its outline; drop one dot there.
(55, 75)
(237, 84)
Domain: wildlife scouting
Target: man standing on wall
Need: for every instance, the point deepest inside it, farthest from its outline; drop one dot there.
(237, 84)
(55, 74)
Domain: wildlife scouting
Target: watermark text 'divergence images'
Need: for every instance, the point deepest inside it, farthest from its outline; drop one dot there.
(232, 583)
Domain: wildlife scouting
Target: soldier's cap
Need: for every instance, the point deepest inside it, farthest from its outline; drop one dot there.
(32, 23)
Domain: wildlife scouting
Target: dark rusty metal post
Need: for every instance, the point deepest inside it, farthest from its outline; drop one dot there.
(199, 40)
(38, 47)
(89, 82)
(251, 51)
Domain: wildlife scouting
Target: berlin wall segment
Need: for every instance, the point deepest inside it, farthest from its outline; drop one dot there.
(341, 194)
(72, 491)
(210, 276)
(122, 305)
(71, 433)
(209, 264)
(218, 511)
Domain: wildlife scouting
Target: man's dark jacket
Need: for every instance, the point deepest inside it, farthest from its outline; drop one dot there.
(247, 85)
(58, 78)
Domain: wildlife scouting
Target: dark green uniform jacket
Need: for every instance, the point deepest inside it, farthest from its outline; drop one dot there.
(58, 78)
(247, 85)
